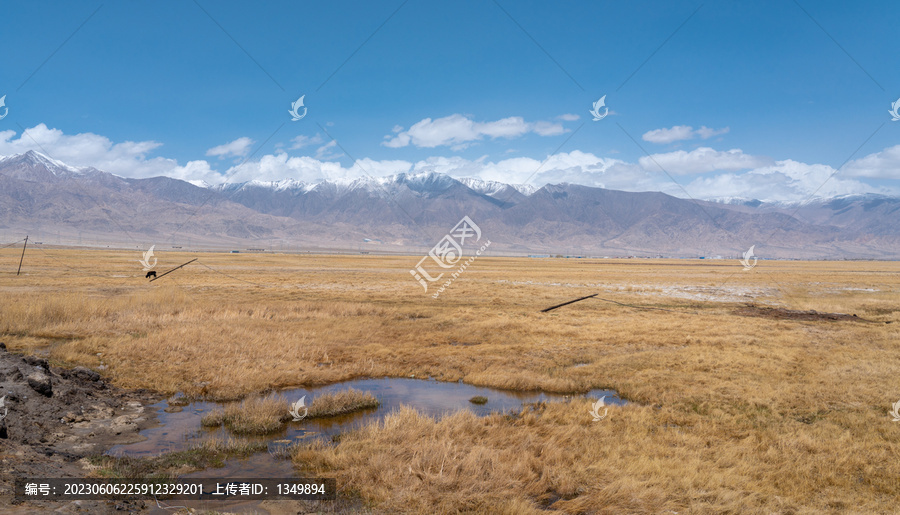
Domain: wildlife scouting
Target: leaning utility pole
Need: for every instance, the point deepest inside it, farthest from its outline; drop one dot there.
(23, 255)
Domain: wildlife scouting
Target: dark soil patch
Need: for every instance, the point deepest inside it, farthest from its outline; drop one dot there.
(790, 314)
(54, 419)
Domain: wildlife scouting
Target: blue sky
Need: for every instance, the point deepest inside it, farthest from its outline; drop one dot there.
(729, 98)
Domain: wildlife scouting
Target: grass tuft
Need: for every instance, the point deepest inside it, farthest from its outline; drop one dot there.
(209, 453)
(251, 416)
(340, 403)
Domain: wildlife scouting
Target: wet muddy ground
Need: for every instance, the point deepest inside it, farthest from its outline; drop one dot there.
(54, 418)
(791, 314)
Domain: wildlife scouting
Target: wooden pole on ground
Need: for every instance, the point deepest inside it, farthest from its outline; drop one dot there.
(176, 268)
(567, 303)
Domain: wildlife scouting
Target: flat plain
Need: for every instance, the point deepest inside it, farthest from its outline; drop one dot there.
(748, 391)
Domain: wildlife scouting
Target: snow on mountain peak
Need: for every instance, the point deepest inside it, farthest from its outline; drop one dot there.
(491, 188)
(33, 158)
(428, 181)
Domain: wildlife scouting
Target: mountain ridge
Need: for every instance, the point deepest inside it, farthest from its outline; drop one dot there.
(413, 211)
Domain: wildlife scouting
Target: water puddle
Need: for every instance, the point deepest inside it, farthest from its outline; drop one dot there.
(180, 429)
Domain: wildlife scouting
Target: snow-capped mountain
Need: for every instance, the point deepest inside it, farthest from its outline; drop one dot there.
(813, 201)
(33, 165)
(415, 210)
(282, 185)
(496, 189)
(423, 182)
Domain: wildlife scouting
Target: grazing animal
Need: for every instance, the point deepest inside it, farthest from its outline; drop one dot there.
(151, 273)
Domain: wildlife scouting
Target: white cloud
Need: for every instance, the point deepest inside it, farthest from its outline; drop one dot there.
(702, 160)
(680, 133)
(785, 180)
(311, 170)
(281, 166)
(548, 129)
(237, 148)
(401, 140)
(880, 165)
(196, 172)
(327, 151)
(373, 168)
(128, 159)
(737, 174)
(705, 132)
(568, 117)
(305, 141)
(458, 131)
(451, 130)
(574, 167)
(509, 128)
(676, 133)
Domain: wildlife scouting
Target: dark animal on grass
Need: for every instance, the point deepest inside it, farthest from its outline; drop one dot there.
(151, 273)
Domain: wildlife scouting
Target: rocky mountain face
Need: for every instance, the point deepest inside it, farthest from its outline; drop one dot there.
(413, 211)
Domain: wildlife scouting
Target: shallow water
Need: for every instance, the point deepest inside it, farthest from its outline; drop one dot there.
(181, 430)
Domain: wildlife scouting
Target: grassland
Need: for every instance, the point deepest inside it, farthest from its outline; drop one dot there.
(729, 412)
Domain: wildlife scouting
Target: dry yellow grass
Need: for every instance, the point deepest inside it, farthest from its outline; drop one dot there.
(211, 452)
(252, 416)
(640, 459)
(729, 413)
(342, 402)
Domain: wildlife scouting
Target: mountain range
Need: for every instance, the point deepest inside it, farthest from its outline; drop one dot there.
(53, 201)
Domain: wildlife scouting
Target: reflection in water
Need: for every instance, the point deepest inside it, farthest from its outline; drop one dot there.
(181, 430)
